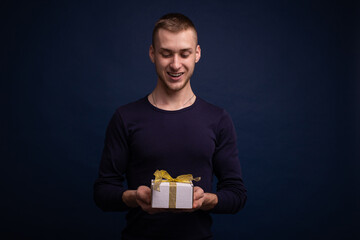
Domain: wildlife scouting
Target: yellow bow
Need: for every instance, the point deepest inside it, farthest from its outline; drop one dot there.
(160, 175)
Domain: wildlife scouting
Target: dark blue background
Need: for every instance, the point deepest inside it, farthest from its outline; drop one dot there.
(287, 71)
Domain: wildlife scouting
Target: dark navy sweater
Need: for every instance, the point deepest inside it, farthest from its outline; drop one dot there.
(198, 140)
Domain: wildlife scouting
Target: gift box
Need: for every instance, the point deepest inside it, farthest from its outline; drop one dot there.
(172, 195)
(167, 192)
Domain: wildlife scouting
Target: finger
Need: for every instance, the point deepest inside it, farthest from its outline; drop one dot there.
(198, 200)
(197, 204)
(143, 194)
(143, 202)
(198, 190)
(198, 193)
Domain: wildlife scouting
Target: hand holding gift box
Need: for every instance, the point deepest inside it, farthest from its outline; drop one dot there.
(174, 193)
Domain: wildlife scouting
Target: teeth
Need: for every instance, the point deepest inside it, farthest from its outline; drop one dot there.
(175, 74)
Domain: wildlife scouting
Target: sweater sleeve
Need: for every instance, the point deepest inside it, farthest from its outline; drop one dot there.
(230, 191)
(109, 187)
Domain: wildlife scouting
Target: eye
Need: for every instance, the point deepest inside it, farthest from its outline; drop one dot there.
(166, 54)
(185, 54)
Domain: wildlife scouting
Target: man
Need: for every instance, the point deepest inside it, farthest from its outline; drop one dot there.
(174, 130)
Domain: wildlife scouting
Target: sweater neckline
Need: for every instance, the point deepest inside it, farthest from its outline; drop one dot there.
(172, 111)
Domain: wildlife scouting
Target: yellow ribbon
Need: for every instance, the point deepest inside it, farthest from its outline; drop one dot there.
(164, 176)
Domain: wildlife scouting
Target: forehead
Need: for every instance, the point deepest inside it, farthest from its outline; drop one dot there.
(175, 40)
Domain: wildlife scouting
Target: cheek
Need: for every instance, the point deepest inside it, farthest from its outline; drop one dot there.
(190, 64)
(161, 63)
(161, 68)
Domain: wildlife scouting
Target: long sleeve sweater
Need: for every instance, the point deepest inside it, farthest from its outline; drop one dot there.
(141, 138)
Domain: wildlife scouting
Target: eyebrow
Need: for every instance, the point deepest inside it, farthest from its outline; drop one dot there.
(181, 50)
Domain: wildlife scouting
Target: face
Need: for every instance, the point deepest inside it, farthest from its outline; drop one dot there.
(174, 56)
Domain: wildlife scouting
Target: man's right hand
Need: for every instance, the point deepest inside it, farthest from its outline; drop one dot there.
(140, 197)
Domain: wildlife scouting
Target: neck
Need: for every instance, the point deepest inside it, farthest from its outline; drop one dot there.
(172, 100)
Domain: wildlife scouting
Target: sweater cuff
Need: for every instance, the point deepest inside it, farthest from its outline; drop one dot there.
(227, 203)
(218, 207)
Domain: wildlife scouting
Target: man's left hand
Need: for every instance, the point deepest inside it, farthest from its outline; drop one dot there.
(204, 201)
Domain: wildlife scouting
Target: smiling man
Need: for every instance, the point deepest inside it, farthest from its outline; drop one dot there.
(175, 55)
(172, 129)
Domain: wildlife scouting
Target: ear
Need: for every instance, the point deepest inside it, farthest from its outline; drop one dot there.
(197, 53)
(152, 53)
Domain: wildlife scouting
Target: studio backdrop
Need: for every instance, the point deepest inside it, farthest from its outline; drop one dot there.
(286, 71)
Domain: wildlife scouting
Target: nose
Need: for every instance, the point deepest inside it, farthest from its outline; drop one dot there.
(175, 63)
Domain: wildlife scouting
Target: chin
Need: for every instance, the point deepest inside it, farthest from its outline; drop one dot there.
(177, 86)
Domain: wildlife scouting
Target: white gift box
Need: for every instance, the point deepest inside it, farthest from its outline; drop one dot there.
(172, 195)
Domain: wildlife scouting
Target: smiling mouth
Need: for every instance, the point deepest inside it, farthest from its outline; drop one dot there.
(175, 74)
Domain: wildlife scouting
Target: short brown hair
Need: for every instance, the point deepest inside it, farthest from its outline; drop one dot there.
(173, 22)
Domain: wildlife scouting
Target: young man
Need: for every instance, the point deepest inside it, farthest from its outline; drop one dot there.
(174, 130)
